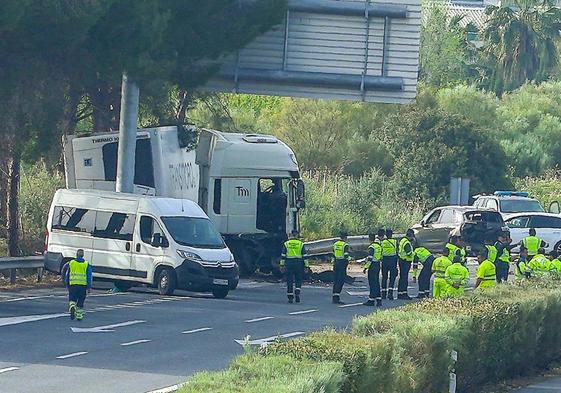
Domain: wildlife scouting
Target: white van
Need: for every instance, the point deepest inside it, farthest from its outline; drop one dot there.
(132, 239)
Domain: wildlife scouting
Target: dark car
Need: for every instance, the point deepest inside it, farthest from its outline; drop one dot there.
(473, 224)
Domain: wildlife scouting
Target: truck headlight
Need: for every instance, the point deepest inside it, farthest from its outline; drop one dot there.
(189, 255)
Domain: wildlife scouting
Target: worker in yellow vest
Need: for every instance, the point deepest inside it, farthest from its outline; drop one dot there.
(439, 266)
(389, 265)
(294, 264)
(486, 272)
(423, 256)
(522, 269)
(372, 266)
(405, 253)
(78, 279)
(341, 259)
(457, 277)
(555, 262)
(502, 262)
(532, 243)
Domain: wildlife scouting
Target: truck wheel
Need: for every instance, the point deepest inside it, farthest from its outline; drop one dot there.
(122, 286)
(220, 292)
(247, 263)
(166, 281)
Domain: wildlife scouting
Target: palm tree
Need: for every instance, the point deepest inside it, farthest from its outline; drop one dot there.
(520, 43)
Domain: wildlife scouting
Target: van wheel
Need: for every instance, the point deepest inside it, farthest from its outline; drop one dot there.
(220, 292)
(122, 286)
(166, 281)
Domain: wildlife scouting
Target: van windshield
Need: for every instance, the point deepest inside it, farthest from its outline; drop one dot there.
(193, 232)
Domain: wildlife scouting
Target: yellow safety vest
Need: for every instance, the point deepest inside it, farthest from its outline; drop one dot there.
(422, 254)
(78, 273)
(491, 253)
(294, 249)
(377, 254)
(408, 257)
(532, 244)
(339, 250)
(389, 247)
(440, 265)
(505, 256)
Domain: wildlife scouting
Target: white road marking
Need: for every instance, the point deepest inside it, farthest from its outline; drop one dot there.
(6, 370)
(358, 293)
(302, 312)
(106, 328)
(197, 330)
(350, 305)
(29, 318)
(135, 342)
(71, 355)
(28, 298)
(264, 341)
(259, 319)
(168, 389)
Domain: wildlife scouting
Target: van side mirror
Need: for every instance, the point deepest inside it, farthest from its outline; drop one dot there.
(423, 223)
(159, 241)
(554, 207)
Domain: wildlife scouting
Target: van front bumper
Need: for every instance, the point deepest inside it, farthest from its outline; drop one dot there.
(193, 276)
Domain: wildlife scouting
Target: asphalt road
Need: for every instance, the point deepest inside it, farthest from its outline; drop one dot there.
(140, 341)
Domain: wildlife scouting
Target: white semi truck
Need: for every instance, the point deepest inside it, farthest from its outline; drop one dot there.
(249, 185)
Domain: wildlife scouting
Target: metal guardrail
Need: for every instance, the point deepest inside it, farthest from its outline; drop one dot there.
(13, 263)
(359, 246)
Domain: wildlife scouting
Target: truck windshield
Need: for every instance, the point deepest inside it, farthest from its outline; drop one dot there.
(520, 206)
(193, 232)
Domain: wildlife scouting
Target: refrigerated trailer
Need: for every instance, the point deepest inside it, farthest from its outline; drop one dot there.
(249, 185)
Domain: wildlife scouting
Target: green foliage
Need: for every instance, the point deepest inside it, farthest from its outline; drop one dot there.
(445, 51)
(269, 374)
(37, 188)
(546, 188)
(520, 43)
(471, 103)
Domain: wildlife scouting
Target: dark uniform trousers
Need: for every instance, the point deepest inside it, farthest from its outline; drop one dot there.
(404, 267)
(425, 275)
(77, 294)
(502, 271)
(389, 270)
(294, 275)
(339, 273)
(374, 281)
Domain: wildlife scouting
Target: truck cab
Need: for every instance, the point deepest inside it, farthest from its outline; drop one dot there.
(249, 185)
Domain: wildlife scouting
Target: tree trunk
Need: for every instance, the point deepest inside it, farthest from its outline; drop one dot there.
(3, 197)
(12, 205)
(105, 100)
(181, 106)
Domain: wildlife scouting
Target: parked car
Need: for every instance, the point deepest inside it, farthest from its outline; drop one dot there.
(508, 203)
(548, 228)
(132, 239)
(472, 224)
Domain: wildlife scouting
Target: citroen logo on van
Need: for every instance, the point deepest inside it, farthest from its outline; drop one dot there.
(219, 264)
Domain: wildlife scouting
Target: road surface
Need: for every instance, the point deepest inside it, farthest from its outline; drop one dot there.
(140, 341)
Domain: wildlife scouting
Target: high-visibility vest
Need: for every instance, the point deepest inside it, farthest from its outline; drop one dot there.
(453, 250)
(457, 273)
(491, 253)
(404, 255)
(440, 265)
(539, 263)
(78, 274)
(294, 249)
(505, 256)
(487, 268)
(339, 250)
(389, 247)
(521, 269)
(532, 244)
(422, 254)
(377, 247)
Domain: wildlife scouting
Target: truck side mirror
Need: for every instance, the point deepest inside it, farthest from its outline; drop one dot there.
(300, 194)
(554, 207)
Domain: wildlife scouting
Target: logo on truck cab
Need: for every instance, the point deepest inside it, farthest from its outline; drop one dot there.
(242, 191)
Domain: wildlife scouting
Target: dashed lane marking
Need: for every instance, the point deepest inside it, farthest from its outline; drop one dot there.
(265, 341)
(168, 389)
(302, 312)
(350, 305)
(135, 342)
(8, 369)
(71, 355)
(19, 299)
(29, 318)
(197, 330)
(258, 319)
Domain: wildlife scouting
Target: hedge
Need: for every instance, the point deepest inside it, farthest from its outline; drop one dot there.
(253, 373)
(499, 333)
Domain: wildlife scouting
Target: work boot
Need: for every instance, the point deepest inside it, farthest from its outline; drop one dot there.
(291, 299)
(369, 303)
(378, 302)
(72, 310)
(79, 314)
(297, 298)
(337, 299)
(390, 295)
(384, 294)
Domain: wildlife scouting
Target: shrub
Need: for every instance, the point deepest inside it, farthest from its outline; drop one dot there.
(270, 374)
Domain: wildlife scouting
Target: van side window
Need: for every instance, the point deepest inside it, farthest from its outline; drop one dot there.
(217, 196)
(111, 225)
(148, 228)
(73, 219)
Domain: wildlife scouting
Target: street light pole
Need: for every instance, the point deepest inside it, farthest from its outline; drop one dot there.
(128, 124)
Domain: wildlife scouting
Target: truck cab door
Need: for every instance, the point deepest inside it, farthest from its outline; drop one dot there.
(240, 204)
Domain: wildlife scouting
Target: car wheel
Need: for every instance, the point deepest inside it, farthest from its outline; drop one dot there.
(166, 281)
(220, 292)
(558, 247)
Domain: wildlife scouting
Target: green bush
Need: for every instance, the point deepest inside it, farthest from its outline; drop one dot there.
(269, 374)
